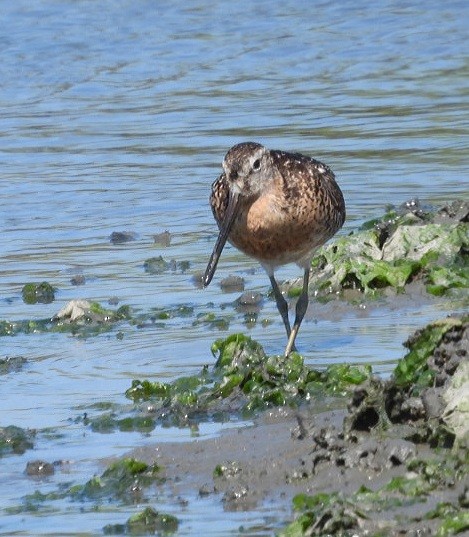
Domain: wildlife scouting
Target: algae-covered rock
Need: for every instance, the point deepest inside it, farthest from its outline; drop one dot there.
(324, 514)
(146, 522)
(390, 429)
(11, 364)
(158, 265)
(80, 317)
(109, 422)
(42, 292)
(399, 248)
(428, 389)
(15, 440)
(155, 265)
(414, 370)
(84, 311)
(417, 241)
(123, 479)
(373, 512)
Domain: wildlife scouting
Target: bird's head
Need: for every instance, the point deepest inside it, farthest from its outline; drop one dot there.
(248, 168)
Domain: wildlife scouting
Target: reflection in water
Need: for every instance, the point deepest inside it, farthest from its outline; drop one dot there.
(115, 117)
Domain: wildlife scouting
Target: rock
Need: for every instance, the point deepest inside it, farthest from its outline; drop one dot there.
(11, 364)
(156, 265)
(432, 403)
(79, 279)
(162, 239)
(400, 451)
(456, 397)
(232, 284)
(74, 310)
(120, 237)
(39, 468)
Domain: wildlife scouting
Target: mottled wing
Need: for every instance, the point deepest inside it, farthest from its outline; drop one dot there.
(311, 183)
(219, 198)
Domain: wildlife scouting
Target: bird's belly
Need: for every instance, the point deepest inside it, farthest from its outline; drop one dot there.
(275, 236)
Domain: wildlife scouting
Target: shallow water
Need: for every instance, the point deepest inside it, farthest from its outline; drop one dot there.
(116, 116)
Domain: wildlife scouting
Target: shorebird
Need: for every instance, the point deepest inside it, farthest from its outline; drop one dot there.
(278, 208)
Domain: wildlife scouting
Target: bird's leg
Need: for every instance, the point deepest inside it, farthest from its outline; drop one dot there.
(282, 305)
(301, 307)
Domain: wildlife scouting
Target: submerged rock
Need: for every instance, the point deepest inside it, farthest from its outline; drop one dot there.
(90, 313)
(11, 364)
(121, 237)
(146, 522)
(156, 265)
(15, 440)
(34, 293)
(232, 284)
(39, 468)
(162, 239)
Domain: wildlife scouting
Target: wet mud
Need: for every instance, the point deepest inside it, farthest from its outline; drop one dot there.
(385, 460)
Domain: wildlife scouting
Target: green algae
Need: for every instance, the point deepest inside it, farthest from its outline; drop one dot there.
(80, 318)
(323, 514)
(15, 440)
(413, 370)
(146, 522)
(109, 422)
(34, 293)
(124, 480)
(212, 320)
(158, 265)
(395, 250)
(120, 481)
(155, 265)
(244, 380)
(454, 524)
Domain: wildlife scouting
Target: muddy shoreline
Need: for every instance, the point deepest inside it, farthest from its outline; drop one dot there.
(384, 463)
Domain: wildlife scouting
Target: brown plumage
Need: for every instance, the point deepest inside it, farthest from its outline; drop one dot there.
(278, 208)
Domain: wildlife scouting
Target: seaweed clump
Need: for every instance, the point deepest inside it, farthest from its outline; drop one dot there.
(407, 244)
(15, 440)
(243, 381)
(125, 481)
(146, 522)
(78, 317)
(43, 293)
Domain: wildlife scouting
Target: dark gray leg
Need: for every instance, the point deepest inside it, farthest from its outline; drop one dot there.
(301, 307)
(282, 305)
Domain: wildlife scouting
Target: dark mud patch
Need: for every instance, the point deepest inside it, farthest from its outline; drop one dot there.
(389, 462)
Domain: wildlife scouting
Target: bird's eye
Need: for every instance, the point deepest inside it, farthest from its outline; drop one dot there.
(256, 165)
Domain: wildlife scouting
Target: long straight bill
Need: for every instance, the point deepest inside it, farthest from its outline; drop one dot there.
(225, 228)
